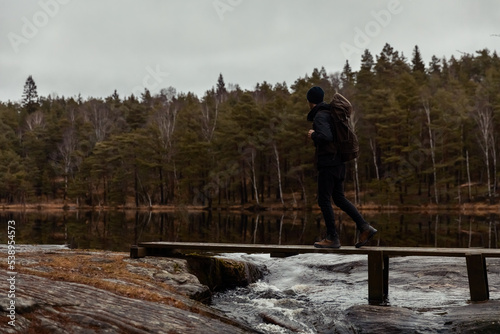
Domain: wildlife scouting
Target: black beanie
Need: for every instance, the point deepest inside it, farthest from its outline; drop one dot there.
(315, 95)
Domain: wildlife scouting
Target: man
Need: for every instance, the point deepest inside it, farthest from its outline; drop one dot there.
(331, 174)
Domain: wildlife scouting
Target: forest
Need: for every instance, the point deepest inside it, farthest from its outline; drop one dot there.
(428, 135)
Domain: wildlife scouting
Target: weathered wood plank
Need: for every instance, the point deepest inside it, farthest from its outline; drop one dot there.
(298, 249)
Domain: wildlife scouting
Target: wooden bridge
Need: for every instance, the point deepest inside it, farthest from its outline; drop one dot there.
(378, 260)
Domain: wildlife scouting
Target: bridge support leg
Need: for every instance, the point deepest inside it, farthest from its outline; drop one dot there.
(378, 277)
(137, 252)
(478, 278)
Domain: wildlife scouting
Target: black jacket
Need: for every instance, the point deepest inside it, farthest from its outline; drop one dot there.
(325, 154)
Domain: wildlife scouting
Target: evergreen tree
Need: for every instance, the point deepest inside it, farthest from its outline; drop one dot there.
(221, 91)
(30, 96)
(435, 65)
(347, 76)
(417, 62)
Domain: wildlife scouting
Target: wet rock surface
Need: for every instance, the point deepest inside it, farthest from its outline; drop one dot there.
(474, 318)
(62, 291)
(173, 272)
(48, 306)
(220, 274)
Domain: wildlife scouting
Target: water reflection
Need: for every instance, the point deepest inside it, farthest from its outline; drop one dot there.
(117, 230)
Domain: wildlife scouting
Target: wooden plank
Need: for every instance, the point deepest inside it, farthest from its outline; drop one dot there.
(297, 249)
(249, 248)
(478, 277)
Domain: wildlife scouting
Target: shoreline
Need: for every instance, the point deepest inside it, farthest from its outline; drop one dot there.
(466, 208)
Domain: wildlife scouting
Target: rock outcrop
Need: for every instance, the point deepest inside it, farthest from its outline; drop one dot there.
(102, 292)
(48, 306)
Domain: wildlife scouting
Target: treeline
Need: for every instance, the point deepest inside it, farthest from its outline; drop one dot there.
(427, 135)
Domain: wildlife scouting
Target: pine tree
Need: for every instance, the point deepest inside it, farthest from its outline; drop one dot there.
(417, 63)
(347, 75)
(30, 96)
(221, 86)
(435, 65)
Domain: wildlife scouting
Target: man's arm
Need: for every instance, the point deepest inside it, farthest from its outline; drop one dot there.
(323, 133)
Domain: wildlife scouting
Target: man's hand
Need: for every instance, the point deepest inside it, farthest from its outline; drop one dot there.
(310, 133)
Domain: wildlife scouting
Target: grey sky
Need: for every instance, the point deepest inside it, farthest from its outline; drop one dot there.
(92, 47)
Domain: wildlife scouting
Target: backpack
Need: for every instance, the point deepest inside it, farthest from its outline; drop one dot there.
(345, 140)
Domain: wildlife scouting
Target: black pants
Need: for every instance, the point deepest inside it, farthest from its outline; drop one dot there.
(331, 186)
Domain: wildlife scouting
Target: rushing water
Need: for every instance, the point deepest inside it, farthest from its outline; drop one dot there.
(312, 293)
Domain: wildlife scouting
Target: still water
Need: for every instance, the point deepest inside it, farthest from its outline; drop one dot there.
(117, 230)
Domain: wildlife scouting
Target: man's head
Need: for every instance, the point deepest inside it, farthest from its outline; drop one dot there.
(315, 96)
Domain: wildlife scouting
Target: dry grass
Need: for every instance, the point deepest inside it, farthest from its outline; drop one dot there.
(95, 268)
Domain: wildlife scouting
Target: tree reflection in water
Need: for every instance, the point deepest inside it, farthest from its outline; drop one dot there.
(117, 230)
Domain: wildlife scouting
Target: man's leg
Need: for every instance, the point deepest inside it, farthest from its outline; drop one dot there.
(341, 201)
(325, 187)
(366, 231)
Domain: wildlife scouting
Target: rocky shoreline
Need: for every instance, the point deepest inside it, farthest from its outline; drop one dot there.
(74, 291)
(474, 208)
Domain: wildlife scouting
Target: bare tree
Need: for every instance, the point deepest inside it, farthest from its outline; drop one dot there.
(209, 115)
(432, 145)
(278, 169)
(99, 115)
(468, 174)
(164, 120)
(65, 153)
(373, 146)
(353, 120)
(35, 120)
(483, 116)
(253, 152)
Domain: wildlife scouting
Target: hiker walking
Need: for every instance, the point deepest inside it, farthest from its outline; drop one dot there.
(331, 172)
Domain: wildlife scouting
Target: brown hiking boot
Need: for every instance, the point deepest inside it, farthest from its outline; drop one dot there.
(328, 242)
(365, 236)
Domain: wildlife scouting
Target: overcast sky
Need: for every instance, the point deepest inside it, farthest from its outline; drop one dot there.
(92, 47)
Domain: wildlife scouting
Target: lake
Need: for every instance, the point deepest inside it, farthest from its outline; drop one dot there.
(117, 230)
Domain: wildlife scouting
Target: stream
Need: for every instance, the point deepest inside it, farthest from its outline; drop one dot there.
(318, 293)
